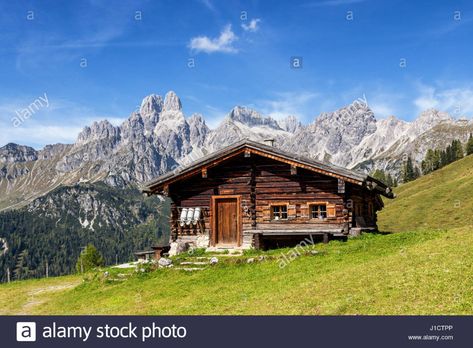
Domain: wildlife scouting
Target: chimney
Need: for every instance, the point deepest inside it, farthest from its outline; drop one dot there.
(269, 142)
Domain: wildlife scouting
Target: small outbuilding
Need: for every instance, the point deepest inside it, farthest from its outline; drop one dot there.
(255, 195)
(155, 254)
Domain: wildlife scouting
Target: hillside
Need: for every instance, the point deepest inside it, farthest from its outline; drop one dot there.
(440, 200)
(425, 272)
(55, 227)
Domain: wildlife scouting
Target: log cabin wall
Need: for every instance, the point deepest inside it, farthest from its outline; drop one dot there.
(364, 204)
(298, 190)
(263, 183)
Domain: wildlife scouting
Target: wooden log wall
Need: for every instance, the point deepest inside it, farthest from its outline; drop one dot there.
(230, 178)
(263, 182)
(277, 183)
(364, 204)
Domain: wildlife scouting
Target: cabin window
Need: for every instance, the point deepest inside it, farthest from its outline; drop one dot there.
(279, 212)
(318, 211)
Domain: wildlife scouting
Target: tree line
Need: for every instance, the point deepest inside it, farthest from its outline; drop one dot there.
(41, 245)
(437, 158)
(434, 159)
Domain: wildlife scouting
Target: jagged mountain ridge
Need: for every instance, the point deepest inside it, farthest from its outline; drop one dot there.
(158, 137)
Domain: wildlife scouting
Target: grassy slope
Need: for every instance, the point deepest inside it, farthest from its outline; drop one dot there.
(422, 271)
(440, 200)
(404, 273)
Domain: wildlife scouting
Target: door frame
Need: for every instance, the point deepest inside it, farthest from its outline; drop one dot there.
(213, 220)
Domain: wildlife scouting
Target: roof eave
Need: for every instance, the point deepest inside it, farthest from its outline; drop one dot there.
(355, 178)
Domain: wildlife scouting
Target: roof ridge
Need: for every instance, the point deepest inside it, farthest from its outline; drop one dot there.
(324, 166)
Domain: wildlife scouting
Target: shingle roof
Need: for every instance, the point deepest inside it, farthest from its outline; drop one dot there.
(350, 175)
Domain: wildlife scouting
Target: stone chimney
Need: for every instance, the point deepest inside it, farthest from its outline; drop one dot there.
(269, 142)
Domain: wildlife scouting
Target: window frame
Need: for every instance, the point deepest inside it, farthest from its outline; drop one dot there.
(311, 211)
(279, 206)
(330, 208)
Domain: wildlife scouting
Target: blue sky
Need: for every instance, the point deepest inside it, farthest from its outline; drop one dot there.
(97, 59)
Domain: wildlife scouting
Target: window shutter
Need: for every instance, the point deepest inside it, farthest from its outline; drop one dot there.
(331, 212)
(291, 211)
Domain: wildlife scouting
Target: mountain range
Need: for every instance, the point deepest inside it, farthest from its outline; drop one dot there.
(158, 137)
(56, 200)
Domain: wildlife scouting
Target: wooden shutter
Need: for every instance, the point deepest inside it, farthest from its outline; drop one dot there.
(291, 211)
(331, 211)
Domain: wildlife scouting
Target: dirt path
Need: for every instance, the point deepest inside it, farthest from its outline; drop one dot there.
(36, 298)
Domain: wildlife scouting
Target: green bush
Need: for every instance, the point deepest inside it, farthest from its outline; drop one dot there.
(89, 258)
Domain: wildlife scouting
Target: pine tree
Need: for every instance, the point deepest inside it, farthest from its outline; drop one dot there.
(21, 269)
(408, 171)
(429, 162)
(416, 172)
(444, 157)
(389, 180)
(457, 149)
(469, 145)
(89, 258)
(436, 159)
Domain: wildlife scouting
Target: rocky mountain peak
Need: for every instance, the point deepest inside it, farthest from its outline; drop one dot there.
(172, 102)
(356, 112)
(12, 153)
(251, 117)
(133, 127)
(196, 117)
(198, 129)
(98, 131)
(354, 121)
(427, 120)
(290, 124)
(151, 104)
(392, 122)
(433, 116)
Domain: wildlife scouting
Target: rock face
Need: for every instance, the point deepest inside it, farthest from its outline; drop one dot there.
(12, 153)
(244, 122)
(290, 124)
(159, 137)
(332, 136)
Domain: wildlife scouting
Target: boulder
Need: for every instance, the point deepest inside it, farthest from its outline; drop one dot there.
(178, 247)
(163, 262)
(202, 241)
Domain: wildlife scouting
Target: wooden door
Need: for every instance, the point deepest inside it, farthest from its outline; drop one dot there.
(227, 221)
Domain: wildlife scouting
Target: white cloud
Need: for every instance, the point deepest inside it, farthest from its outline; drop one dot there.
(386, 102)
(426, 99)
(37, 135)
(214, 116)
(458, 101)
(95, 27)
(299, 104)
(382, 110)
(208, 4)
(253, 26)
(60, 122)
(223, 43)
